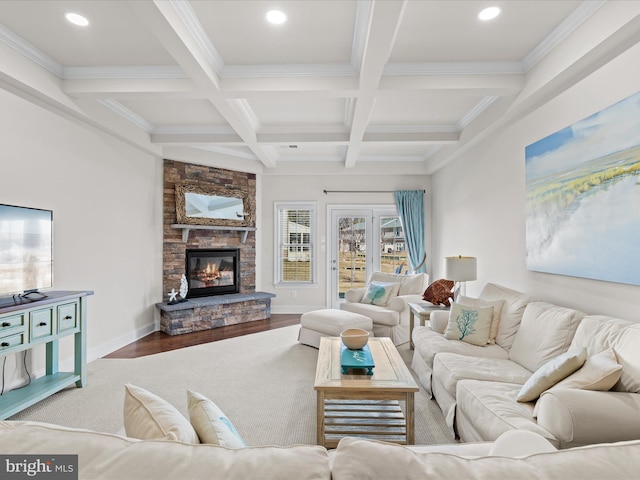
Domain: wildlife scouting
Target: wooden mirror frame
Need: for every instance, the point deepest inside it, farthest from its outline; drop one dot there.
(202, 189)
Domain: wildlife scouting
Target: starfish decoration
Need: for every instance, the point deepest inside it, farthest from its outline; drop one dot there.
(172, 295)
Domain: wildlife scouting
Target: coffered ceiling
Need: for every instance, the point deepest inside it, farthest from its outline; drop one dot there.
(341, 86)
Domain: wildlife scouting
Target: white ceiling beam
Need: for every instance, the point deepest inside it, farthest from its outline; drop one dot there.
(196, 138)
(130, 88)
(169, 26)
(384, 21)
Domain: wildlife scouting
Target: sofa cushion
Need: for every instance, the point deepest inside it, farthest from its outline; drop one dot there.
(545, 332)
(450, 368)
(439, 292)
(493, 409)
(109, 457)
(379, 315)
(357, 458)
(497, 310)
(429, 343)
(511, 314)
(599, 332)
(147, 416)
(210, 423)
(600, 372)
(409, 284)
(469, 323)
(378, 293)
(551, 373)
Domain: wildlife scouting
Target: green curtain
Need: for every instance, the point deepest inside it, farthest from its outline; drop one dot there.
(410, 206)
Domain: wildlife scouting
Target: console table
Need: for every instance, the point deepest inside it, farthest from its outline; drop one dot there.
(27, 323)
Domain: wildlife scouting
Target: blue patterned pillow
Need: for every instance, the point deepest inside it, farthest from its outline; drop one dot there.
(379, 293)
(471, 324)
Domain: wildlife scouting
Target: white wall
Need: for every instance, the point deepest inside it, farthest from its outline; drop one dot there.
(479, 199)
(106, 199)
(300, 188)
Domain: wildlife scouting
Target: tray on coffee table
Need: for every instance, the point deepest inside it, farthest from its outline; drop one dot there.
(356, 359)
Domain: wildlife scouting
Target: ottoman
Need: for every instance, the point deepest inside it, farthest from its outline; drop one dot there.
(329, 323)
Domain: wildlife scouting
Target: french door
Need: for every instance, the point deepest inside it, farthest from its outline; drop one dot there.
(362, 240)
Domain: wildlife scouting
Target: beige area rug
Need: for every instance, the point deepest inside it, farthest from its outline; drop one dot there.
(263, 382)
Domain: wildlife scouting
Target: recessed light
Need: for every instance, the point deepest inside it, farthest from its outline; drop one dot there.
(276, 17)
(489, 13)
(77, 19)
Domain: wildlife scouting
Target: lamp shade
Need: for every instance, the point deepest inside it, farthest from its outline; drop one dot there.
(461, 269)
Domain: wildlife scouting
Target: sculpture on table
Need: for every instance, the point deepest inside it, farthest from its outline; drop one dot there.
(182, 293)
(184, 287)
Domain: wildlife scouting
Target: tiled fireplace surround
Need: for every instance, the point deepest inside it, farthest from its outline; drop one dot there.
(220, 310)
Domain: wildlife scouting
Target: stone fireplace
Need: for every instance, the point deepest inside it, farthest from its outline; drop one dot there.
(204, 309)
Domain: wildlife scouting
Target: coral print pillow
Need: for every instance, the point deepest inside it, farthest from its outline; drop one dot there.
(379, 293)
(471, 324)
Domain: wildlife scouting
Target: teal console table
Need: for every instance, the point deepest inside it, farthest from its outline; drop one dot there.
(25, 324)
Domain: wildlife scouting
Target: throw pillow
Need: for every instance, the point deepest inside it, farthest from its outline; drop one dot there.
(495, 318)
(439, 292)
(210, 422)
(600, 372)
(469, 323)
(148, 417)
(378, 293)
(551, 373)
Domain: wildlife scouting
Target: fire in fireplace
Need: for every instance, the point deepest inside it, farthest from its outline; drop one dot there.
(213, 272)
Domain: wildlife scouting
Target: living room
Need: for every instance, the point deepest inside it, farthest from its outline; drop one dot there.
(103, 179)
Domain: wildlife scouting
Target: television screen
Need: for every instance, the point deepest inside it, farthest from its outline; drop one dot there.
(26, 249)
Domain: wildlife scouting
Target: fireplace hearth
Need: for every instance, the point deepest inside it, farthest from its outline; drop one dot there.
(212, 272)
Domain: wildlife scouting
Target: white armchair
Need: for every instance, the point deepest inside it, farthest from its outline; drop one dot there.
(390, 320)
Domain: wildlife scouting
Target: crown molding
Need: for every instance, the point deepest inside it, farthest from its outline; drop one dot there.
(31, 52)
(399, 129)
(127, 114)
(168, 72)
(454, 68)
(193, 130)
(289, 70)
(562, 31)
(475, 111)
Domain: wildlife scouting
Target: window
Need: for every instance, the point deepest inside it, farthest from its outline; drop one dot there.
(295, 243)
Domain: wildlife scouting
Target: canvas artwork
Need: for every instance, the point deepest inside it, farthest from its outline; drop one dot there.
(583, 197)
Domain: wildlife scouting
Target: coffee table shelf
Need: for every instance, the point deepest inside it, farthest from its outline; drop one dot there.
(378, 406)
(380, 419)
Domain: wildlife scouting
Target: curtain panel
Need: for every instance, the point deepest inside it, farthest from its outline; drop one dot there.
(410, 206)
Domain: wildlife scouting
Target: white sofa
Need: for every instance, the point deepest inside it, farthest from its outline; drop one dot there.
(390, 320)
(514, 455)
(477, 387)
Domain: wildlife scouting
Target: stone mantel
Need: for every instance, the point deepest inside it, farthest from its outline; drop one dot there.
(214, 300)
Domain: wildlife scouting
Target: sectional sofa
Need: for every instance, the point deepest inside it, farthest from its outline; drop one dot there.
(514, 455)
(571, 378)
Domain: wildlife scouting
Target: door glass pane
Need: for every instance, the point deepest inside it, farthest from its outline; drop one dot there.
(352, 253)
(393, 252)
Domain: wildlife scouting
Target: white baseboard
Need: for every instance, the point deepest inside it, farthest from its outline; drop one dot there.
(106, 348)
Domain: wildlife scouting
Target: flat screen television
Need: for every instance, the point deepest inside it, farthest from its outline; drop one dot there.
(26, 250)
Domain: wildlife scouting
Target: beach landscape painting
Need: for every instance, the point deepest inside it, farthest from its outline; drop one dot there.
(583, 197)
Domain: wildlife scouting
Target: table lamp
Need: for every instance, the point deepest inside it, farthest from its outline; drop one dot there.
(460, 270)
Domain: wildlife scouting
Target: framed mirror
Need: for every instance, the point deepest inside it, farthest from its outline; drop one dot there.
(199, 204)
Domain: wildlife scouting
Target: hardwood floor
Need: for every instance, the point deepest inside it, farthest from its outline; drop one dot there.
(158, 342)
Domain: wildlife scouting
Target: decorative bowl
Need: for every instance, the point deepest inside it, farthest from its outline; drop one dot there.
(354, 338)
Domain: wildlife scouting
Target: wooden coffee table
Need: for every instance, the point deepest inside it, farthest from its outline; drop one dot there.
(361, 405)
